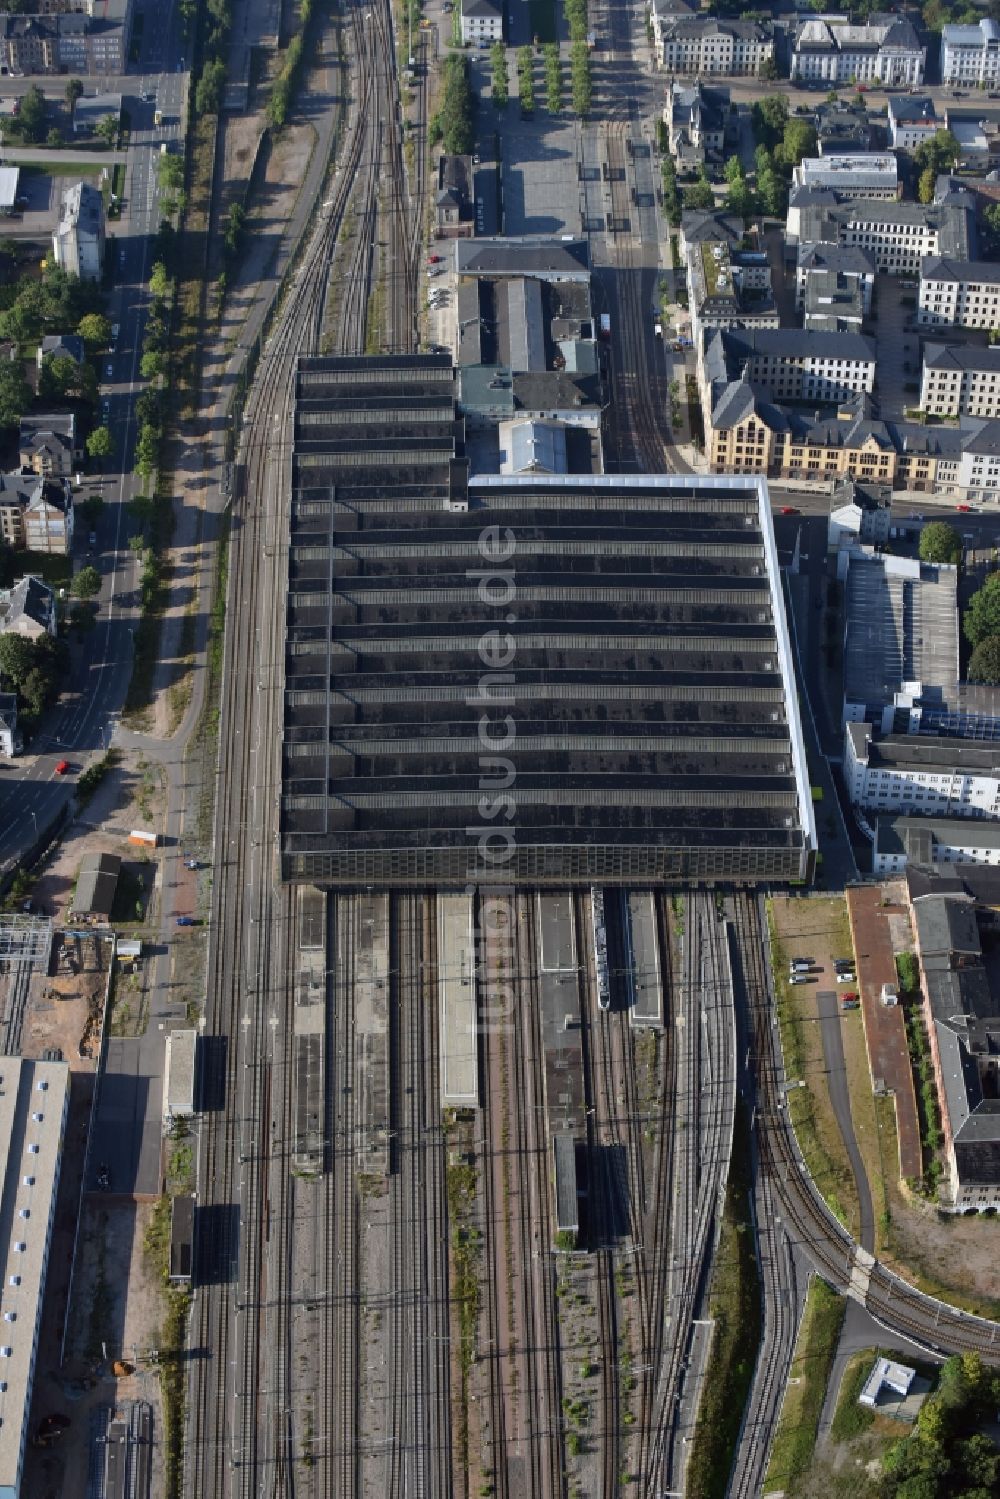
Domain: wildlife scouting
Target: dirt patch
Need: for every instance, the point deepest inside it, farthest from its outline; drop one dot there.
(116, 1313)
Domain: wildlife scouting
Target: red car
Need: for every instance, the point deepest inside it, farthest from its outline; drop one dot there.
(789, 510)
(62, 767)
(433, 259)
(964, 509)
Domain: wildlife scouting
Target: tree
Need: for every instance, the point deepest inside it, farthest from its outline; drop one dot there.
(211, 84)
(739, 195)
(54, 139)
(938, 154)
(925, 185)
(768, 118)
(169, 173)
(526, 79)
(95, 330)
(15, 394)
(798, 140)
(87, 583)
(74, 91)
(31, 116)
(982, 618)
(152, 365)
(100, 443)
(62, 379)
(16, 658)
(159, 281)
(501, 83)
(553, 79)
(580, 78)
(700, 194)
(454, 118)
(940, 542)
(106, 130)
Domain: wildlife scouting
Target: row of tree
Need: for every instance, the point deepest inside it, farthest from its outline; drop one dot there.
(453, 122)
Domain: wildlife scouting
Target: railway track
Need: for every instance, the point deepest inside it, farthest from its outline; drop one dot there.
(939, 1328)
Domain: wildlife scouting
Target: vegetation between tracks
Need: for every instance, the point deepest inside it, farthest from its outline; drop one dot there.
(734, 1304)
(815, 1348)
(171, 1356)
(809, 1108)
(465, 1245)
(208, 728)
(283, 92)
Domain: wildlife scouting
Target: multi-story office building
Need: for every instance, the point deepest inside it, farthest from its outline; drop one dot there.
(707, 47)
(828, 49)
(91, 37)
(971, 54)
(78, 238)
(34, 1098)
(932, 843)
(922, 773)
(960, 381)
(859, 175)
(796, 364)
(899, 235)
(845, 261)
(963, 293)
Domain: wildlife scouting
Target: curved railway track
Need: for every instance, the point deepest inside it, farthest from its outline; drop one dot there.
(940, 1328)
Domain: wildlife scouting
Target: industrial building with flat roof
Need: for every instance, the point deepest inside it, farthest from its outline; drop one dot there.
(900, 635)
(34, 1097)
(556, 680)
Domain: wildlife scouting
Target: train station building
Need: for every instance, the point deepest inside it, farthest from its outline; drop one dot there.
(538, 679)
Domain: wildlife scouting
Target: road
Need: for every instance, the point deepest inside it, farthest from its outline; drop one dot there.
(32, 796)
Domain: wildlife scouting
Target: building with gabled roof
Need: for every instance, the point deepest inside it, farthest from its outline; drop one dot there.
(28, 609)
(886, 50)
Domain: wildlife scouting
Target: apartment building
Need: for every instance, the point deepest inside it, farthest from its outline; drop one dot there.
(864, 174)
(921, 773)
(92, 38)
(977, 472)
(899, 236)
(912, 120)
(707, 47)
(47, 443)
(960, 381)
(29, 609)
(827, 49)
(963, 293)
(481, 21)
(78, 238)
(970, 55)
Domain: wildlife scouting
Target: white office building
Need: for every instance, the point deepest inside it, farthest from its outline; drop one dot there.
(923, 774)
(932, 842)
(970, 55)
(860, 175)
(828, 49)
(34, 1097)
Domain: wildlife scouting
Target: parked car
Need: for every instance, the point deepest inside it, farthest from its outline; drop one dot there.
(62, 767)
(846, 978)
(798, 978)
(186, 921)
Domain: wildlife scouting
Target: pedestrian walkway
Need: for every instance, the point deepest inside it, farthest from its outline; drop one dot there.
(885, 1029)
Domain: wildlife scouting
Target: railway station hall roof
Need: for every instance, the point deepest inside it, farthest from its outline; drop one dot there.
(553, 679)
